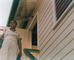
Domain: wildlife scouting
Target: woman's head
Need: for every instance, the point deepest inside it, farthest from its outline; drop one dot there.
(13, 24)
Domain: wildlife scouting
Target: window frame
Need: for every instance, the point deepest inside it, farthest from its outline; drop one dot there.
(55, 21)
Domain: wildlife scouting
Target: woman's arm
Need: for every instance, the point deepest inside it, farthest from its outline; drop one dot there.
(0, 36)
(20, 46)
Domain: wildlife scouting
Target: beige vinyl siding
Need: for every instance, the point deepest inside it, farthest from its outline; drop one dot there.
(55, 44)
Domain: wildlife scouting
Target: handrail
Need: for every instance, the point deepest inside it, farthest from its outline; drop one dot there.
(27, 52)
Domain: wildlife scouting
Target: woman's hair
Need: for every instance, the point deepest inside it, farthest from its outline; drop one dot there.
(14, 22)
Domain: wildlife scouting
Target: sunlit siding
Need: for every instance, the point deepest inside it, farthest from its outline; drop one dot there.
(55, 44)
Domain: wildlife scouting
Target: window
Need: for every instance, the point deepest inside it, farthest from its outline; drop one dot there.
(61, 6)
(60, 9)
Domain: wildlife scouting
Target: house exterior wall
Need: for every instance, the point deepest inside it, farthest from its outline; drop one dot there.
(58, 43)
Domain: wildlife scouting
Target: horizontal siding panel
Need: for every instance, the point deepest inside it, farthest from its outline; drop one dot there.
(43, 3)
(44, 33)
(53, 43)
(46, 27)
(45, 47)
(66, 50)
(46, 15)
(60, 44)
(45, 38)
(56, 42)
(58, 26)
(41, 12)
(69, 56)
(56, 34)
(44, 8)
(47, 19)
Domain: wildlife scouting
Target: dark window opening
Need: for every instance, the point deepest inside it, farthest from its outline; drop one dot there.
(34, 35)
(25, 24)
(61, 6)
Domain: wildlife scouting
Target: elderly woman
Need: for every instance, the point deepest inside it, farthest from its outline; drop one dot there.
(11, 43)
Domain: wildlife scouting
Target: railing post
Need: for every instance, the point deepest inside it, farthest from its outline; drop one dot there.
(27, 52)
